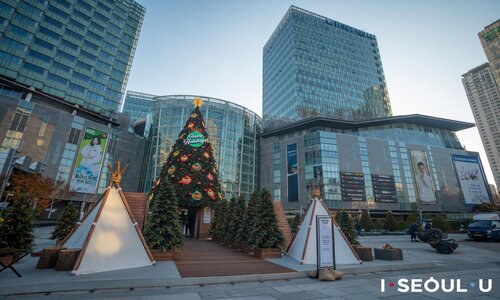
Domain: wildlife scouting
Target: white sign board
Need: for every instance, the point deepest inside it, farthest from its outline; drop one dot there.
(206, 215)
(324, 229)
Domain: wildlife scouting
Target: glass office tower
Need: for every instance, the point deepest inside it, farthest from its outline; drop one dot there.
(80, 51)
(317, 67)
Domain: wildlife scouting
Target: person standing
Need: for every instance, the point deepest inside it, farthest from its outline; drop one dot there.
(413, 232)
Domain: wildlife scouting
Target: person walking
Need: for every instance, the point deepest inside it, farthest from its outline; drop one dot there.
(413, 232)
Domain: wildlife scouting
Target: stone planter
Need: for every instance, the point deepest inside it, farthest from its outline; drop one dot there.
(162, 256)
(364, 253)
(388, 254)
(264, 253)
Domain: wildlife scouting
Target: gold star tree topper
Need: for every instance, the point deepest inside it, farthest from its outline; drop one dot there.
(197, 102)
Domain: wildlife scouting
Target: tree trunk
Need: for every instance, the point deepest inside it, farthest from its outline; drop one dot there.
(49, 257)
(66, 259)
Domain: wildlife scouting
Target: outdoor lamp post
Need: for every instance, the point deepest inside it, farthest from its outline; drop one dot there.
(5, 182)
(55, 192)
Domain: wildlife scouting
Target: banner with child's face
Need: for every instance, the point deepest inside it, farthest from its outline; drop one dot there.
(89, 161)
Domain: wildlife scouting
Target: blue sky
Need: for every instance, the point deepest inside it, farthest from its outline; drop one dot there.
(214, 48)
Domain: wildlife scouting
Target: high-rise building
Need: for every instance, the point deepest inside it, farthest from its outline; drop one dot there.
(490, 39)
(64, 65)
(484, 98)
(316, 67)
(79, 51)
(327, 78)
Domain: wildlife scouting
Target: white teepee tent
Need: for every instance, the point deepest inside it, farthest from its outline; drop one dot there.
(303, 246)
(109, 237)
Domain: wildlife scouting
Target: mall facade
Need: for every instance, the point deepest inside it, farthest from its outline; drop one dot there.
(399, 164)
(40, 133)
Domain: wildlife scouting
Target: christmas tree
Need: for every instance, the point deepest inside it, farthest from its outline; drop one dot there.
(223, 220)
(17, 229)
(219, 215)
(66, 222)
(238, 221)
(231, 222)
(191, 164)
(251, 215)
(390, 222)
(366, 221)
(163, 229)
(346, 224)
(265, 232)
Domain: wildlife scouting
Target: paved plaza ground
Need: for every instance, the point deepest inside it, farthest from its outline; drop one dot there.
(469, 263)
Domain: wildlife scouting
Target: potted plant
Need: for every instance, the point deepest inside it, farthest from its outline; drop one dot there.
(266, 239)
(66, 223)
(346, 225)
(238, 222)
(163, 232)
(16, 231)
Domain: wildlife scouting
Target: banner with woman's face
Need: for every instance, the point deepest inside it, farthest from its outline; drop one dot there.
(89, 161)
(423, 179)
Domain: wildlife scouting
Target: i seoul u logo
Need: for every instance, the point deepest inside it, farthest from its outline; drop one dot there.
(433, 285)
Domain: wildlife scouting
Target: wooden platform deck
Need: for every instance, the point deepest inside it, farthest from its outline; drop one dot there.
(202, 258)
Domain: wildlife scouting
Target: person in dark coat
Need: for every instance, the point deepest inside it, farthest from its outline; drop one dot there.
(413, 232)
(427, 226)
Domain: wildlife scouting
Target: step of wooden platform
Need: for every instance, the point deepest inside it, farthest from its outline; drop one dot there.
(138, 203)
(283, 223)
(202, 258)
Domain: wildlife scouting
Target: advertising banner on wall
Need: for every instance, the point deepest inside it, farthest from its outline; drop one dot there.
(471, 178)
(423, 179)
(292, 172)
(89, 161)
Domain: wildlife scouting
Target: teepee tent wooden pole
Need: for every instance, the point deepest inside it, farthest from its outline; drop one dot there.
(308, 233)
